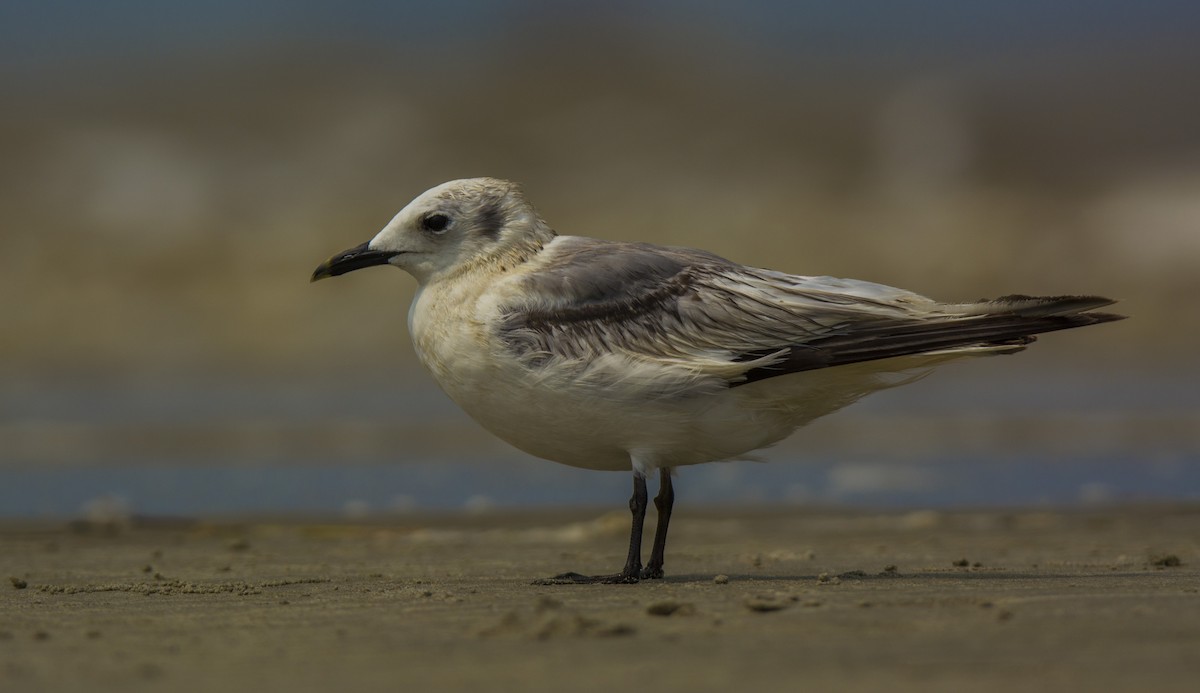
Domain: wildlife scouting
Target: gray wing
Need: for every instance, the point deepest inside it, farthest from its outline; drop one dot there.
(688, 307)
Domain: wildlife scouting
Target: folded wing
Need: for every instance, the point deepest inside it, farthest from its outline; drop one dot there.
(685, 307)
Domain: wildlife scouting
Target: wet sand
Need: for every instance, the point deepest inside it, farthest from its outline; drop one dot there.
(997, 600)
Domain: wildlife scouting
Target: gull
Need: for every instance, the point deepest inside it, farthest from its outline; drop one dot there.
(641, 358)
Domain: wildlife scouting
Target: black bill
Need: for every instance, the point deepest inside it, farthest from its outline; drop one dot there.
(356, 258)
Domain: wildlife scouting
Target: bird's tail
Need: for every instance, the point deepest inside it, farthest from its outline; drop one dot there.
(998, 326)
(1006, 324)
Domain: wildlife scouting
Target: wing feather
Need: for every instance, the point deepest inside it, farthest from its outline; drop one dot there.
(592, 298)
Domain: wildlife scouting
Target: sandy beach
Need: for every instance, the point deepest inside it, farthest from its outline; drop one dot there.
(783, 600)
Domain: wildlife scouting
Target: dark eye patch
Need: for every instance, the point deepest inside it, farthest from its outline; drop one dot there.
(435, 222)
(491, 220)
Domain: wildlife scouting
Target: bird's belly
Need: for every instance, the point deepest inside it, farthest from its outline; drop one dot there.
(552, 425)
(604, 414)
(598, 428)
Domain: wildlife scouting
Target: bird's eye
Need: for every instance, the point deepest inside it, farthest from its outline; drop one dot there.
(435, 223)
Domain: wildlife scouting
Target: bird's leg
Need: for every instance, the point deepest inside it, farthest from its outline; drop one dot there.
(664, 502)
(632, 571)
(637, 506)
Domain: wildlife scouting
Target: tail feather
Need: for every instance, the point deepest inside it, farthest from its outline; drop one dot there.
(1037, 305)
(1008, 324)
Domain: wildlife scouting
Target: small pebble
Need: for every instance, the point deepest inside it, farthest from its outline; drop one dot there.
(765, 604)
(721, 580)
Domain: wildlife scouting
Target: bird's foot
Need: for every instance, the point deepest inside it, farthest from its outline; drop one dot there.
(622, 578)
(652, 573)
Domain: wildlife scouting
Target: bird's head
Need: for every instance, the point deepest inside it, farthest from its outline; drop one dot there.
(446, 229)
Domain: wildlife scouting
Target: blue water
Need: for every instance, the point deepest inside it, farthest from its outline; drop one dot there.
(473, 484)
(207, 471)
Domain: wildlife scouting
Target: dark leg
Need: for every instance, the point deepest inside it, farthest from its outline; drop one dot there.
(637, 506)
(632, 571)
(663, 501)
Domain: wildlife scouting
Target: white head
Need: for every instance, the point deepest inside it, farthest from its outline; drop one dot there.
(448, 228)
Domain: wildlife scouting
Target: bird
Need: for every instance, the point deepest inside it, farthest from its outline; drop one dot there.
(633, 357)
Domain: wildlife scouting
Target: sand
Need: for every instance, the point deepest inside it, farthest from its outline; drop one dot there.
(764, 601)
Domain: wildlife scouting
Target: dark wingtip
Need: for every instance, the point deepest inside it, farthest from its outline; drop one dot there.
(1098, 318)
(1033, 306)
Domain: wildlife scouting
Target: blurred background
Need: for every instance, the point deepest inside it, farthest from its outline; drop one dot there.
(172, 173)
